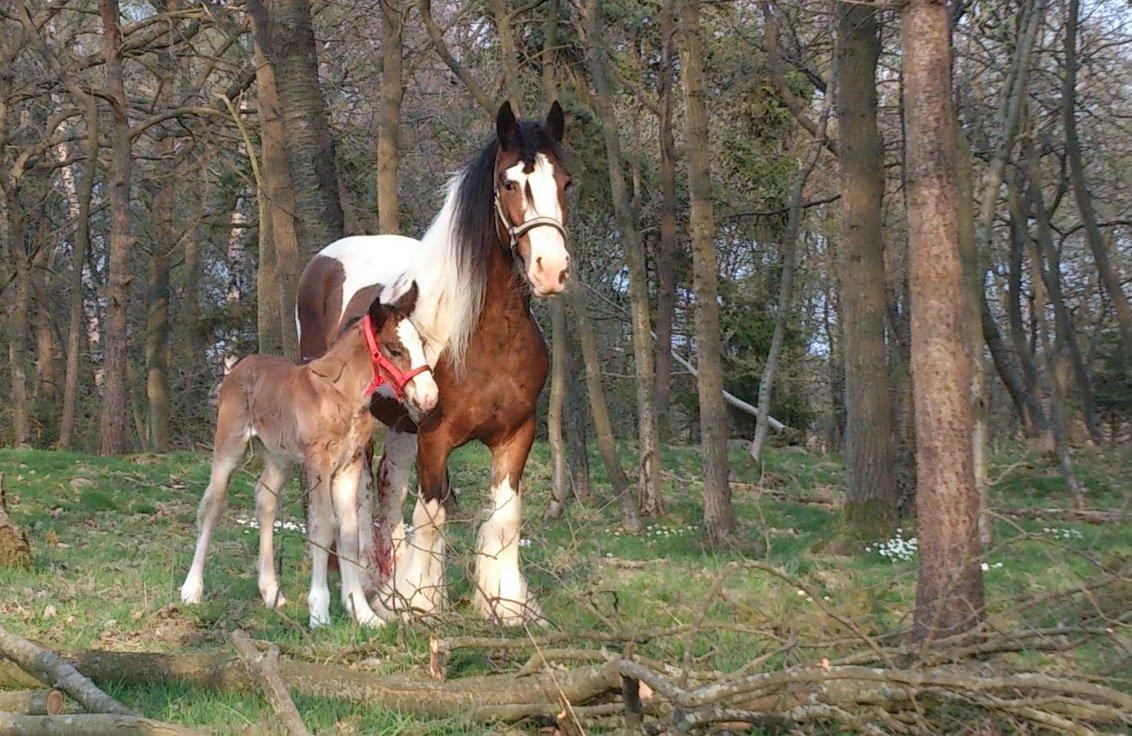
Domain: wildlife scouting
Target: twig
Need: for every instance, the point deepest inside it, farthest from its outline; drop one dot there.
(265, 669)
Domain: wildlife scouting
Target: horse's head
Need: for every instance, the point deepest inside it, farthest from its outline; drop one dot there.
(402, 364)
(530, 196)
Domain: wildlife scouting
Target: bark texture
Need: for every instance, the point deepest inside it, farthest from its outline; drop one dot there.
(115, 393)
(870, 486)
(310, 148)
(949, 592)
(389, 115)
(719, 517)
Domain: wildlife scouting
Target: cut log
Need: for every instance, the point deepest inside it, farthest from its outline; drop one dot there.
(48, 667)
(14, 548)
(101, 724)
(487, 697)
(33, 702)
(265, 668)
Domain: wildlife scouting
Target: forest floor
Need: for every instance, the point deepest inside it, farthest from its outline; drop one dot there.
(112, 539)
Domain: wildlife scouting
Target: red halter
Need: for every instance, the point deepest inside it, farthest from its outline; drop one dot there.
(396, 379)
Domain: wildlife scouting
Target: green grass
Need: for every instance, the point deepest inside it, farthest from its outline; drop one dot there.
(112, 539)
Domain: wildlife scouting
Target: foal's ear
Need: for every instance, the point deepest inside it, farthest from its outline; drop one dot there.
(407, 302)
(505, 125)
(556, 122)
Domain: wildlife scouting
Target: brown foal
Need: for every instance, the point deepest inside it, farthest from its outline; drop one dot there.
(317, 416)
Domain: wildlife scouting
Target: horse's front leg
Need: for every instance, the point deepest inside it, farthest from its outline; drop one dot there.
(344, 493)
(417, 579)
(387, 535)
(501, 593)
(320, 534)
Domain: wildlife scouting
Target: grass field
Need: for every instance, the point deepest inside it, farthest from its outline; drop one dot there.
(112, 540)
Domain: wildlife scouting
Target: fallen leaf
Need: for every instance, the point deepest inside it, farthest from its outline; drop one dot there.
(49, 611)
(52, 538)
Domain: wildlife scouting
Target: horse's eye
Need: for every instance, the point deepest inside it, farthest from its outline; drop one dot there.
(569, 183)
(394, 352)
(509, 185)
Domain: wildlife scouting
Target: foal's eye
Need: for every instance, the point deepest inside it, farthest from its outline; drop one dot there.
(395, 352)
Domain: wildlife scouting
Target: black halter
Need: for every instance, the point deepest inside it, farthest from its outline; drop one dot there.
(515, 232)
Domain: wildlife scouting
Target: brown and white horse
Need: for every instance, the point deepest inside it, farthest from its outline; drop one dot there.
(315, 415)
(499, 237)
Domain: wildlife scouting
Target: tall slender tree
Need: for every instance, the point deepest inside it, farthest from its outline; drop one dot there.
(949, 590)
(870, 486)
(719, 517)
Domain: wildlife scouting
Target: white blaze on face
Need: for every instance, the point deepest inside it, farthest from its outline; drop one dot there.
(549, 259)
(421, 391)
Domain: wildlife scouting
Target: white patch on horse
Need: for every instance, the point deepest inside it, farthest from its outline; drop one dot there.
(548, 254)
(501, 590)
(418, 577)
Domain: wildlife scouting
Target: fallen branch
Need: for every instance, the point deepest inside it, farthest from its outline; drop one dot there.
(48, 667)
(784, 496)
(33, 702)
(1088, 516)
(265, 668)
(486, 697)
(86, 724)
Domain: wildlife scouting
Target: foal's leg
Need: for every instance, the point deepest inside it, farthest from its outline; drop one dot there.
(227, 451)
(344, 490)
(418, 576)
(320, 533)
(276, 473)
(501, 593)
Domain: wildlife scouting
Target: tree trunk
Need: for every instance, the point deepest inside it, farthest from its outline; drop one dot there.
(309, 146)
(276, 182)
(785, 287)
(115, 393)
(577, 457)
(389, 115)
(949, 592)
(1108, 275)
(1050, 270)
(719, 517)
(1049, 351)
(559, 482)
(666, 247)
(508, 59)
(644, 377)
(603, 428)
(870, 486)
(1035, 419)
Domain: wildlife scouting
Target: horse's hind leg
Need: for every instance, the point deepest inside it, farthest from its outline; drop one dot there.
(276, 473)
(226, 455)
(391, 482)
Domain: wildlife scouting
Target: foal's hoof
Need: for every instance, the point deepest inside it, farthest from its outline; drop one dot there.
(192, 594)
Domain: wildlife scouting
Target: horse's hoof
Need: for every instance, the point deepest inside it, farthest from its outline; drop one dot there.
(274, 600)
(512, 613)
(192, 594)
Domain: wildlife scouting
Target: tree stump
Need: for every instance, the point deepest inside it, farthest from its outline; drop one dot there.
(14, 548)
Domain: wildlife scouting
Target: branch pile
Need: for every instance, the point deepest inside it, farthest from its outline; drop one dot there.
(581, 679)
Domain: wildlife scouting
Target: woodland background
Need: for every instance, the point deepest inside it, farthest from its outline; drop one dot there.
(168, 167)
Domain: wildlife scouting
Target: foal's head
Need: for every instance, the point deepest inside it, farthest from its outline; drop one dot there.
(404, 368)
(530, 193)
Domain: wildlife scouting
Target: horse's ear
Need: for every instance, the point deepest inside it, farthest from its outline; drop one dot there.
(556, 122)
(505, 125)
(407, 302)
